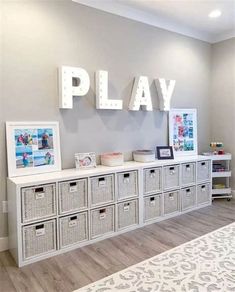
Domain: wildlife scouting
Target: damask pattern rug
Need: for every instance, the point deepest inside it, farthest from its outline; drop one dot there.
(203, 264)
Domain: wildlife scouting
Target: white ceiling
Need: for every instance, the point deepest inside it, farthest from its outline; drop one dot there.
(187, 17)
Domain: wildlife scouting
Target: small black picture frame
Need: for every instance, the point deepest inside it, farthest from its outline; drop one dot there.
(165, 152)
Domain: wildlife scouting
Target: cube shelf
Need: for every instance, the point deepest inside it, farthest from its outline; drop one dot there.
(56, 212)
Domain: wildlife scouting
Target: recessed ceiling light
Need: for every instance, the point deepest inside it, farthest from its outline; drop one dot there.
(214, 13)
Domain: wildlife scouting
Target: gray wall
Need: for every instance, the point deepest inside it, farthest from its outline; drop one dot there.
(40, 36)
(223, 96)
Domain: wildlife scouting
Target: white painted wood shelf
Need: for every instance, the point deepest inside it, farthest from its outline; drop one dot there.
(52, 213)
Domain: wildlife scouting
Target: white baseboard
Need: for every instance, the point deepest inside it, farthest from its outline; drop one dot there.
(233, 194)
(3, 243)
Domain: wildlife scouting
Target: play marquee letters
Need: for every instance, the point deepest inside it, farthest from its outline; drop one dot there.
(75, 81)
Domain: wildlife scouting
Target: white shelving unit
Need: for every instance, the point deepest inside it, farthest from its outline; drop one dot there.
(226, 192)
(52, 213)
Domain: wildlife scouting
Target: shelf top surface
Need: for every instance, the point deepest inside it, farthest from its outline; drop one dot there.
(218, 157)
(73, 173)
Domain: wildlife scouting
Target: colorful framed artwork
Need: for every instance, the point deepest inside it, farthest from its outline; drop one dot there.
(32, 148)
(165, 152)
(183, 131)
(85, 160)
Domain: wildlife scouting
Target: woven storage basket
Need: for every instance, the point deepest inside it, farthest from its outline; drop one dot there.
(39, 239)
(73, 229)
(102, 221)
(188, 198)
(72, 196)
(102, 189)
(171, 177)
(127, 214)
(152, 207)
(152, 180)
(188, 173)
(38, 202)
(203, 170)
(127, 184)
(203, 193)
(171, 202)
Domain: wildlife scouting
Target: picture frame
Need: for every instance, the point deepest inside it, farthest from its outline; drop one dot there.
(32, 148)
(85, 160)
(164, 152)
(183, 131)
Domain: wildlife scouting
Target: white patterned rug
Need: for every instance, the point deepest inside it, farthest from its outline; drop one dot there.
(204, 264)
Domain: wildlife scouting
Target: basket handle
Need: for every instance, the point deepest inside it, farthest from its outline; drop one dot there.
(41, 226)
(73, 184)
(39, 190)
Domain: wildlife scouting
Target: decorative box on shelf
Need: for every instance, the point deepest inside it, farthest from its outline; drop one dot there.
(57, 212)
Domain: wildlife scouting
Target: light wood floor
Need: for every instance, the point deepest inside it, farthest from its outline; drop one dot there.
(75, 269)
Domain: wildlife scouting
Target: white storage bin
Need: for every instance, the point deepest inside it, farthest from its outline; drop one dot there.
(203, 170)
(38, 202)
(152, 207)
(171, 202)
(73, 229)
(152, 180)
(127, 184)
(203, 194)
(144, 155)
(39, 239)
(127, 214)
(102, 221)
(72, 196)
(112, 159)
(188, 198)
(171, 177)
(188, 172)
(102, 189)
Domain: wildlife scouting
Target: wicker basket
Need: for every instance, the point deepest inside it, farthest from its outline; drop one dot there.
(188, 198)
(171, 177)
(171, 202)
(152, 180)
(39, 239)
(127, 184)
(188, 173)
(73, 229)
(203, 194)
(203, 170)
(102, 189)
(38, 202)
(72, 196)
(127, 214)
(152, 207)
(102, 221)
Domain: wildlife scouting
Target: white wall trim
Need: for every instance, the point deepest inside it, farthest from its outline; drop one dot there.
(3, 243)
(233, 194)
(145, 17)
(223, 37)
(154, 20)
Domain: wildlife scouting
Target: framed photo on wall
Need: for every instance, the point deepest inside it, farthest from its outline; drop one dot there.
(32, 148)
(183, 131)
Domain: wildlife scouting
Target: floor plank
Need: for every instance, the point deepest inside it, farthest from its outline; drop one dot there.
(80, 267)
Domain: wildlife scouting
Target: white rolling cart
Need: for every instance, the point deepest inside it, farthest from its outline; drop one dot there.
(221, 173)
